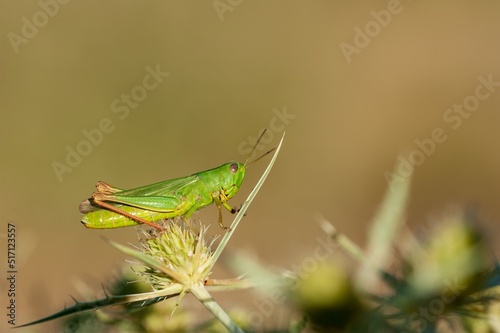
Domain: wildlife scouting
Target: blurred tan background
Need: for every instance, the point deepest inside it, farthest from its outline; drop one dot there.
(351, 104)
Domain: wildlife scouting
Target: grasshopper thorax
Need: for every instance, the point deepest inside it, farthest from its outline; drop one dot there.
(223, 181)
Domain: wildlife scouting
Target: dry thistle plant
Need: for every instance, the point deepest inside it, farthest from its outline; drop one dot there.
(177, 260)
(445, 279)
(442, 280)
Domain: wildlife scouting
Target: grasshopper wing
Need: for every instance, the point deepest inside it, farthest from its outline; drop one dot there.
(166, 196)
(170, 187)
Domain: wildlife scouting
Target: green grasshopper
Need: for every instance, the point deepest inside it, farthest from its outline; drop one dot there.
(111, 207)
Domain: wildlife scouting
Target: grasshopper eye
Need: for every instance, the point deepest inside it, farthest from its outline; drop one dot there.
(233, 167)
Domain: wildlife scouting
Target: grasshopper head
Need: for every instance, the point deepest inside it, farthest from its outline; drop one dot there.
(235, 173)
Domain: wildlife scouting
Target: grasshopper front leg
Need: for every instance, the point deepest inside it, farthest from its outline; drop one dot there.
(232, 210)
(219, 208)
(220, 201)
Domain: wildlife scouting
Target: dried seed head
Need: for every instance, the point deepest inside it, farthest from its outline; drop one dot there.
(183, 253)
(454, 250)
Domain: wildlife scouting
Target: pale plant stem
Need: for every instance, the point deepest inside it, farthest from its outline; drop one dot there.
(201, 293)
(243, 209)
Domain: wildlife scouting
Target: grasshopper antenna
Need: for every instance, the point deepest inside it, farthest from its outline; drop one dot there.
(247, 163)
(258, 158)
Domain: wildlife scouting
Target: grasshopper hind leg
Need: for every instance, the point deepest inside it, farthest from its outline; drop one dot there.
(105, 188)
(117, 210)
(89, 205)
